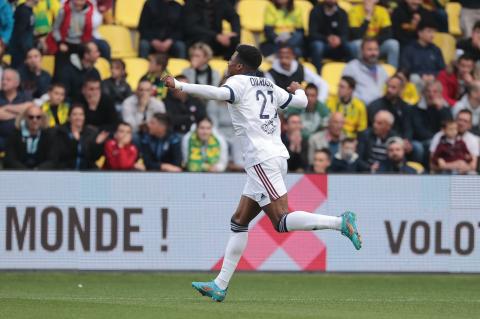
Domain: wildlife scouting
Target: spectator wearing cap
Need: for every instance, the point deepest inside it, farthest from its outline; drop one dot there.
(161, 29)
(286, 69)
(456, 78)
(372, 143)
(369, 75)
(470, 102)
(347, 160)
(35, 80)
(353, 110)
(13, 102)
(160, 147)
(396, 161)
(139, 108)
(329, 138)
(371, 20)
(464, 124)
(422, 58)
(328, 33)
(31, 145)
(321, 161)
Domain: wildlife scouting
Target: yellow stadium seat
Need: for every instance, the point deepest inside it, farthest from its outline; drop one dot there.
(446, 43)
(219, 65)
(182, 2)
(251, 14)
(119, 39)
(135, 68)
(103, 67)
(332, 73)
(247, 37)
(345, 5)
(100, 162)
(390, 69)
(306, 7)
(48, 63)
(226, 26)
(176, 66)
(453, 11)
(7, 58)
(416, 166)
(127, 12)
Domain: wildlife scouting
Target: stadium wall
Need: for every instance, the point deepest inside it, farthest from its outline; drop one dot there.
(117, 221)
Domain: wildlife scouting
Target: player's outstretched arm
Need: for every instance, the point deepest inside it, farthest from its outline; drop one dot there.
(299, 98)
(203, 91)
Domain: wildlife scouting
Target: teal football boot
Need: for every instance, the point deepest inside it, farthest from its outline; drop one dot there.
(210, 289)
(349, 229)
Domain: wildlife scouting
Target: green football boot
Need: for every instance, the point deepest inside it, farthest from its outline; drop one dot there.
(349, 229)
(210, 289)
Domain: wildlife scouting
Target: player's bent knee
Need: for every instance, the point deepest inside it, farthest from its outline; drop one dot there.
(281, 226)
(238, 228)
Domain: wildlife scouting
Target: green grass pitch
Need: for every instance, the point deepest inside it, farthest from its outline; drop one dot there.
(51, 295)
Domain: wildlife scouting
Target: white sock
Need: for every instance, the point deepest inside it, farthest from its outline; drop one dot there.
(235, 247)
(300, 220)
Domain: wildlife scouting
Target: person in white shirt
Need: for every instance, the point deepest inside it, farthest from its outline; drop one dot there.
(253, 103)
(471, 102)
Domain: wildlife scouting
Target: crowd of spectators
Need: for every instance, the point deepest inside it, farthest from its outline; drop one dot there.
(423, 118)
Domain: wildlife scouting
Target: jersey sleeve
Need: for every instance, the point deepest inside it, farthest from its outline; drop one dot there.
(236, 88)
(283, 97)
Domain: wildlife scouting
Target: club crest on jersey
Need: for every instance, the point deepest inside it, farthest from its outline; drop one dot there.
(269, 126)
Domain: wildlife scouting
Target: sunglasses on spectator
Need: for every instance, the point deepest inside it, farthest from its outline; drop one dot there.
(34, 117)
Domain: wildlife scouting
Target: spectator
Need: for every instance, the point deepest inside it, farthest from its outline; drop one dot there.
(200, 72)
(286, 69)
(161, 29)
(372, 143)
(156, 71)
(406, 18)
(99, 109)
(6, 22)
(34, 80)
(353, 109)
(439, 15)
(78, 144)
(456, 79)
(328, 33)
(329, 138)
(116, 87)
(72, 27)
(283, 26)
(464, 124)
(13, 102)
(471, 102)
(409, 93)
(74, 74)
(371, 20)
(369, 75)
(3, 64)
(422, 59)
(204, 150)
(22, 35)
(297, 146)
(347, 160)
(396, 161)
(183, 109)
(203, 23)
(160, 147)
(105, 8)
(451, 154)
(315, 116)
(469, 16)
(139, 108)
(97, 21)
(471, 46)
(321, 161)
(31, 145)
(431, 112)
(55, 108)
(45, 13)
(120, 153)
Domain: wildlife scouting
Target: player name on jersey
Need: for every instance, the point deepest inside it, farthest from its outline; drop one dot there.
(261, 82)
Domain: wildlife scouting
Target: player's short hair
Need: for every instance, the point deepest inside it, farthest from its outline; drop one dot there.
(350, 81)
(249, 56)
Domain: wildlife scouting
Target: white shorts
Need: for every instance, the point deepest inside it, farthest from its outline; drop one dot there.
(265, 181)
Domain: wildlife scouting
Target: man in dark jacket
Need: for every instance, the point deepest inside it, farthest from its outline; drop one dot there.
(347, 159)
(183, 110)
(396, 162)
(203, 23)
(161, 29)
(406, 18)
(471, 46)
(35, 81)
(161, 148)
(328, 33)
(30, 146)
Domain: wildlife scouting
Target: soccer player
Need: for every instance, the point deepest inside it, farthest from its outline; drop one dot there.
(253, 103)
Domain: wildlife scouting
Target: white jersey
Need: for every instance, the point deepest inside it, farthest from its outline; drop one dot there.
(253, 106)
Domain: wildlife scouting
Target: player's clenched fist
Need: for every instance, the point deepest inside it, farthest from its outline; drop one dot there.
(169, 81)
(293, 87)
